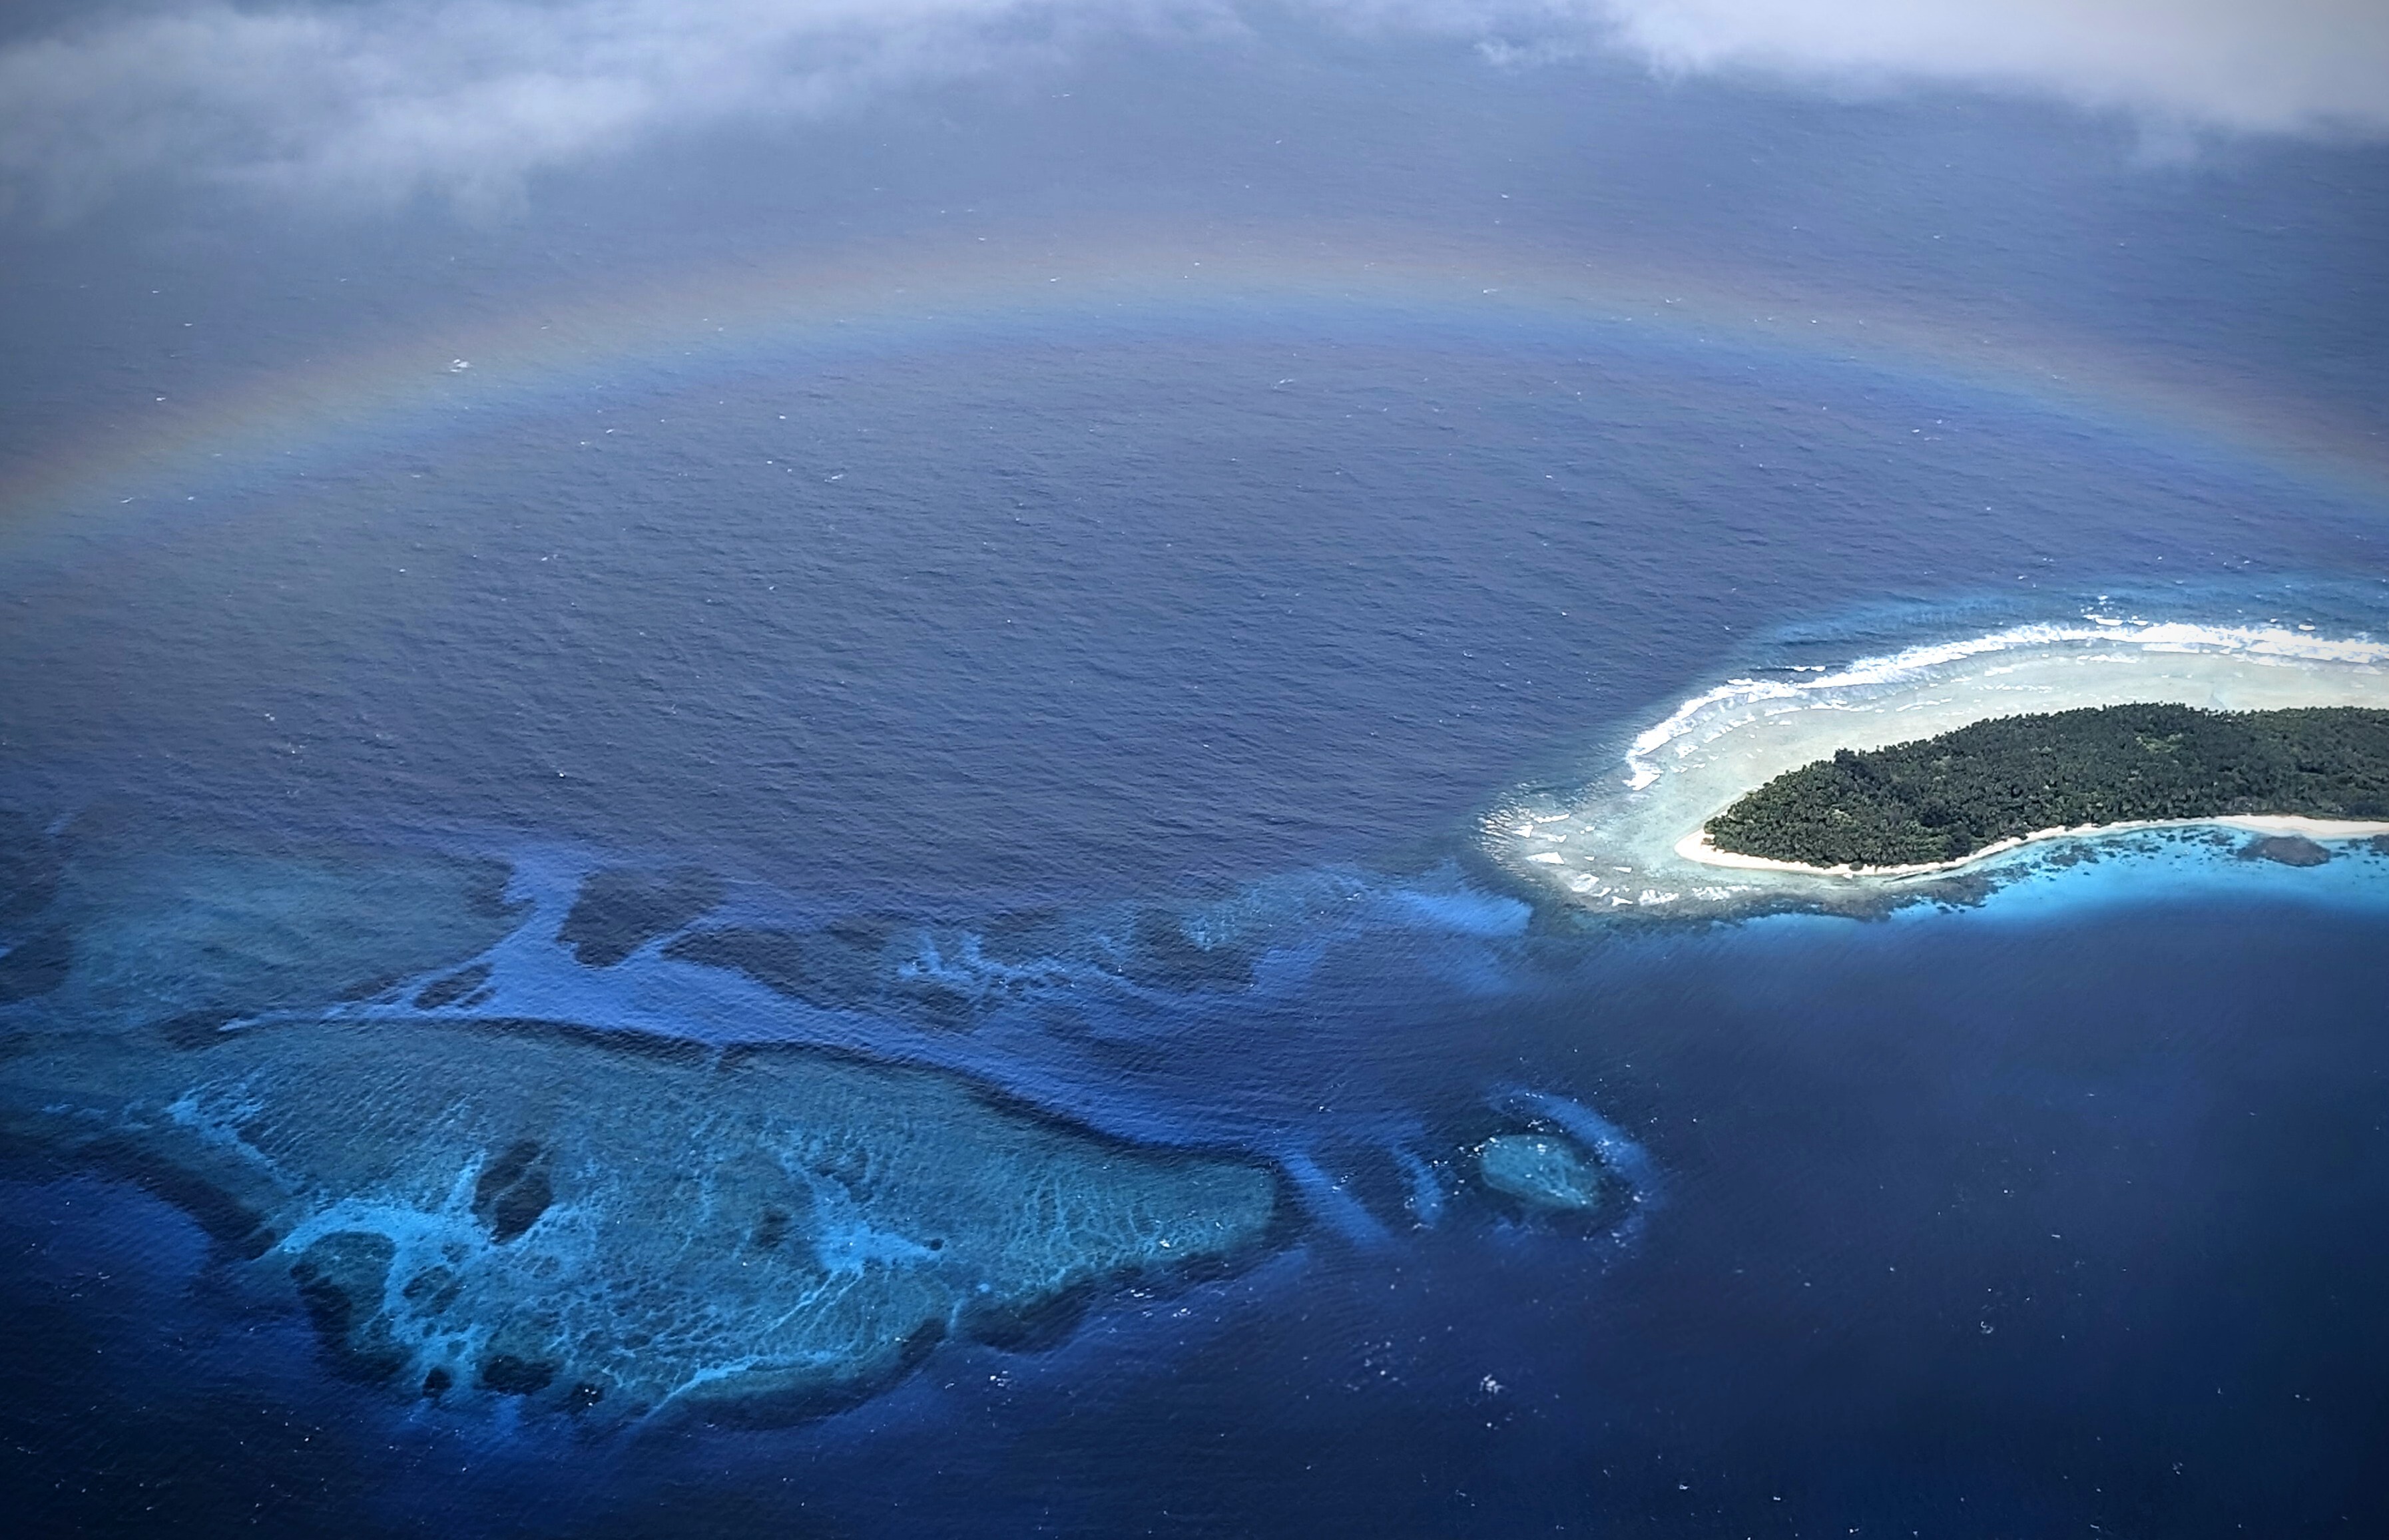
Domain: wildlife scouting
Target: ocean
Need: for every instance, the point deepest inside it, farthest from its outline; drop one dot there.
(1111, 716)
(841, 832)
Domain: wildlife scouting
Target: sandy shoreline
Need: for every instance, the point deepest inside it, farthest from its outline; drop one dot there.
(1696, 846)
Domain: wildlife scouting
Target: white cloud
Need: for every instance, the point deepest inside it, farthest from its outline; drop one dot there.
(2256, 65)
(379, 100)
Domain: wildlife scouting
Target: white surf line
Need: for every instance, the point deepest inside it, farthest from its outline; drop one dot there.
(1696, 846)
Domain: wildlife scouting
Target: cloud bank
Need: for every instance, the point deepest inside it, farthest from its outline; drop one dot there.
(379, 101)
(2289, 66)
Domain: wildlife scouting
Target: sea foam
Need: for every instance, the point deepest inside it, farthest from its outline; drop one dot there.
(1612, 844)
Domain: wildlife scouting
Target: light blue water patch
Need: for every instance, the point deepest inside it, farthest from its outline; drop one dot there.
(1426, 1198)
(2047, 881)
(1327, 1199)
(2169, 866)
(1543, 1171)
(1462, 912)
(2189, 865)
(1616, 1149)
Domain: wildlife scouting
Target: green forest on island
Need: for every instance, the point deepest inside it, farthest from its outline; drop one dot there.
(1936, 799)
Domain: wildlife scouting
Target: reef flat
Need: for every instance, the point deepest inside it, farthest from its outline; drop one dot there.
(604, 1223)
(1946, 797)
(586, 1220)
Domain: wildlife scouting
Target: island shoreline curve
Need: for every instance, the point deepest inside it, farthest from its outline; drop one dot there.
(1696, 846)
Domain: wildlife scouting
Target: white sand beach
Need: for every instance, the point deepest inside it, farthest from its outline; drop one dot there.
(1696, 846)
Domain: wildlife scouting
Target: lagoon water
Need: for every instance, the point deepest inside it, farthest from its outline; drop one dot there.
(1079, 739)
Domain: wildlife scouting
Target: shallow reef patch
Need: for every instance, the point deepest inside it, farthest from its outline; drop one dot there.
(1545, 1172)
(551, 1215)
(186, 940)
(602, 1223)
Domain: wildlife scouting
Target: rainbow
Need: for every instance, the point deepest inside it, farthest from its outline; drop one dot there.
(871, 298)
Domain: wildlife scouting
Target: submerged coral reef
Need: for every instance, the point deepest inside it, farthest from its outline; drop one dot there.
(606, 1223)
(1544, 1172)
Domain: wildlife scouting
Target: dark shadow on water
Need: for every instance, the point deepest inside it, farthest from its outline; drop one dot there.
(618, 911)
(36, 965)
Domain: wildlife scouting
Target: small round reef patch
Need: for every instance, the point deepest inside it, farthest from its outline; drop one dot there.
(1543, 1171)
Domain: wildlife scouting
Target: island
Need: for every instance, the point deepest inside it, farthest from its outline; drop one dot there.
(1937, 800)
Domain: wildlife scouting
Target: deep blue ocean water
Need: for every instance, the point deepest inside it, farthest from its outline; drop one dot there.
(2054, 1213)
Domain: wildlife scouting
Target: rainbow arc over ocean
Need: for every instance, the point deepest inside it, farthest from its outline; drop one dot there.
(1010, 289)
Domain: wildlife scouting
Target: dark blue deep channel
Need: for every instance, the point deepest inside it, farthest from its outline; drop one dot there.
(813, 950)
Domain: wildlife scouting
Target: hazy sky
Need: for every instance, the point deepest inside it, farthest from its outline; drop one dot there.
(369, 103)
(196, 194)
